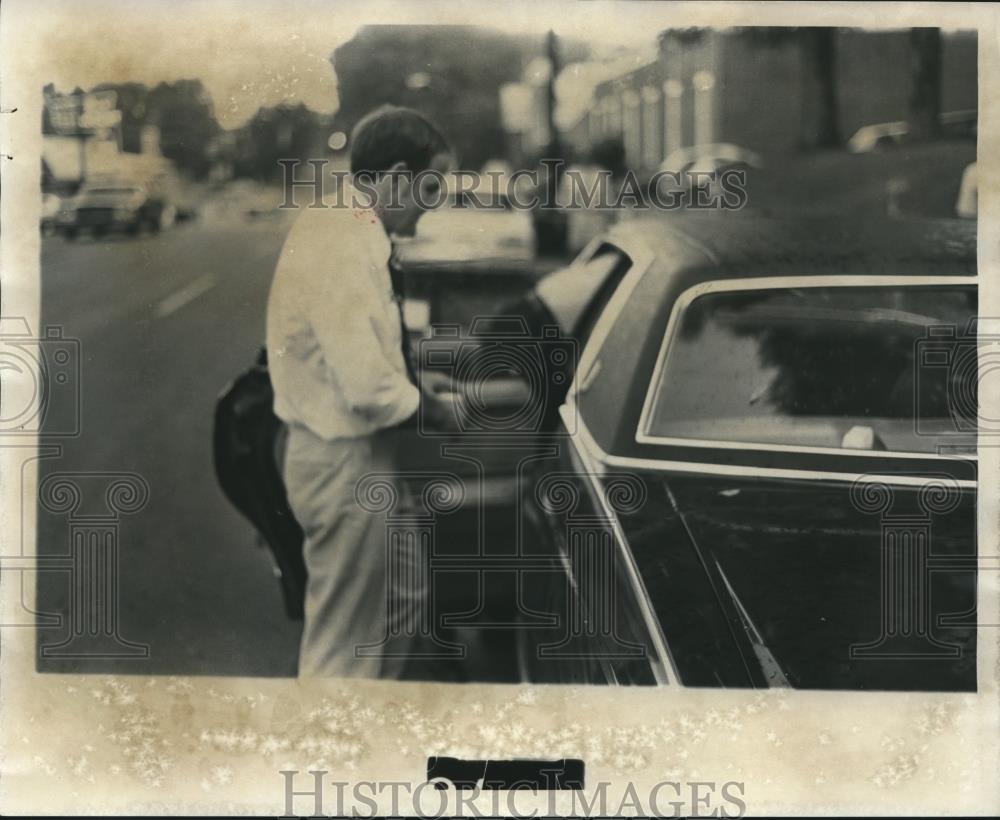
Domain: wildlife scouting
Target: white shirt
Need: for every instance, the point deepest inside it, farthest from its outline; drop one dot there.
(333, 328)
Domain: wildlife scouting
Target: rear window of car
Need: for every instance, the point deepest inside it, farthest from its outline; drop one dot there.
(868, 368)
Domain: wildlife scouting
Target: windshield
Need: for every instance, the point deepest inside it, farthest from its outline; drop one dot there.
(872, 368)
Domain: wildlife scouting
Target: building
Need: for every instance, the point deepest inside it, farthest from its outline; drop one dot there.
(82, 139)
(754, 88)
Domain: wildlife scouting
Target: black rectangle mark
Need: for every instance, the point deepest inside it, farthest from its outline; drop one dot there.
(506, 774)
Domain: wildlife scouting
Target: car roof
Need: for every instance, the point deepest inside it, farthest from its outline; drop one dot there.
(734, 244)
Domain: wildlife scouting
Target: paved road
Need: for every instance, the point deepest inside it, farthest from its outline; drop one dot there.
(164, 322)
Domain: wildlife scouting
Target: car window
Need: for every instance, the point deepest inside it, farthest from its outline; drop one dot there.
(630, 327)
(576, 294)
(873, 368)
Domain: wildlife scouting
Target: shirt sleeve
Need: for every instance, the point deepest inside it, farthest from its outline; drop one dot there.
(342, 311)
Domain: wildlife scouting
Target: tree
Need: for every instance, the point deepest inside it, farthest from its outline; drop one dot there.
(184, 114)
(819, 63)
(820, 123)
(925, 94)
(451, 73)
(282, 132)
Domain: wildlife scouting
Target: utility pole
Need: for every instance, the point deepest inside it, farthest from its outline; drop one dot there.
(550, 222)
(925, 67)
(554, 148)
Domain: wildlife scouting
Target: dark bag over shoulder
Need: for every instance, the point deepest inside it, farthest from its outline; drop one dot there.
(248, 439)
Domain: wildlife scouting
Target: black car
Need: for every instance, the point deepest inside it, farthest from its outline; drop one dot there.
(768, 475)
(745, 457)
(116, 206)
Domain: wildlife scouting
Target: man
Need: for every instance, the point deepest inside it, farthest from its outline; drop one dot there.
(335, 346)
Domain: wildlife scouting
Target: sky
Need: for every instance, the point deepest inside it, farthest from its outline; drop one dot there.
(243, 62)
(248, 55)
(262, 52)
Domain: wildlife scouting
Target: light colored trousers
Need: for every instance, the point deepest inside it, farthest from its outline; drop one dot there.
(347, 608)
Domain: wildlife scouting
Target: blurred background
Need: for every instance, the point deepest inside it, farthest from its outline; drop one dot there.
(161, 229)
(804, 106)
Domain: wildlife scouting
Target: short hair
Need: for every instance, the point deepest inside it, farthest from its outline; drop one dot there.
(392, 134)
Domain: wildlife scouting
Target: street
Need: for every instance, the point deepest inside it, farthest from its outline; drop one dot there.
(164, 322)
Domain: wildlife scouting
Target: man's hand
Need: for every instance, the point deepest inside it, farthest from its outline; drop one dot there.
(440, 409)
(439, 402)
(435, 381)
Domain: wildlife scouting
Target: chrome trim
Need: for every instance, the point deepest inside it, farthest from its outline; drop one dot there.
(663, 667)
(587, 441)
(781, 283)
(588, 251)
(773, 673)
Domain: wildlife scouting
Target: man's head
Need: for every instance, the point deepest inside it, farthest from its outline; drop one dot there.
(391, 148)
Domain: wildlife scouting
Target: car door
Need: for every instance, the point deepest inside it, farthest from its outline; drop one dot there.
(828, 487)
(511, 367)
(806, 453)
(827, 594)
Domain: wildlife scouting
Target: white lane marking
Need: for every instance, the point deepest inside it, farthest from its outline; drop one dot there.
(176, 300)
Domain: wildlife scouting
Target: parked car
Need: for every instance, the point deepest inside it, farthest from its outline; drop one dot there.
(887, 135)
(109, 205)
(711, 157)
(700, 167)
(759, 456)
(51, 205)
(461, 231)
(693, 498)
(967, 205)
